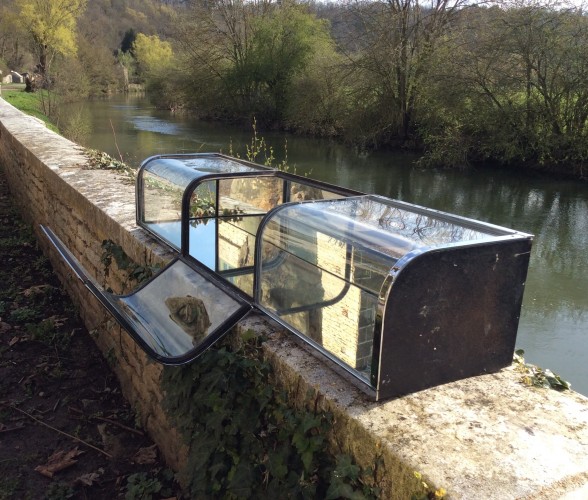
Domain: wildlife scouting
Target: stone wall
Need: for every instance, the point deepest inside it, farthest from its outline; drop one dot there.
(484, 437)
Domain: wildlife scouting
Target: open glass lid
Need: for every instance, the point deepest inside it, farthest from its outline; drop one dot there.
(175, 316)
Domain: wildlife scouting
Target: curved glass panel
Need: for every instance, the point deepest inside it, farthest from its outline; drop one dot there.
(177, 311)
(181, 170)
(323, 265)
(175, 316)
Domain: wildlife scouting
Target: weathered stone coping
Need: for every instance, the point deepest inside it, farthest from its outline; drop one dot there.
(487, 437)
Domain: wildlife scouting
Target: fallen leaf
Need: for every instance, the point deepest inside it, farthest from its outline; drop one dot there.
(58, 461)
(4, 327)
(14, 340)
(146, 455)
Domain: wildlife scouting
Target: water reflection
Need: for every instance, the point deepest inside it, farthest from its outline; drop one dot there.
(554, 322)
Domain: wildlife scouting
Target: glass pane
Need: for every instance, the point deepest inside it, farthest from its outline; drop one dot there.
(345, 258)
(372, 219)
(162, 199)
(234, 240)
(203, 200)
(325, 288)
(304, 192)
(319, 302)
(178, 310)
(250, 195)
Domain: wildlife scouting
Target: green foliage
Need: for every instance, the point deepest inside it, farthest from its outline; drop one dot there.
(49, 332)
(513, 94)
(126, 44)
(144, 486)
(243, 57)
(245, 441)
(538, 377)
(24, 315)
(59, 491)
(135, 273)
(8, 485)
(152, 54)
(283, 45)
(103, 161)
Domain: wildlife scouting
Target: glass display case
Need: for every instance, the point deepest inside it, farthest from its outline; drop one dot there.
(398, 296)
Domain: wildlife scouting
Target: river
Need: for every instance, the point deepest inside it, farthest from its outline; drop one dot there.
(553, 329)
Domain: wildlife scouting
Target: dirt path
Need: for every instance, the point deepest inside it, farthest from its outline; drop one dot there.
(65, 429)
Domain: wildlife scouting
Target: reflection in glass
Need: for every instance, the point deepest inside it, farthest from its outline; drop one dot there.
(324, 264)
(306, 192)
(190, 314)
(203, 200)
(250, 195)
(177, 310)
(162, 199)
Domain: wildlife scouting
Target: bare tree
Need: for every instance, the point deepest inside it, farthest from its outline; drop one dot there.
(394, 40)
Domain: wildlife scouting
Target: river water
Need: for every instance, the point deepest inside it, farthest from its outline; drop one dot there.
(553, 329)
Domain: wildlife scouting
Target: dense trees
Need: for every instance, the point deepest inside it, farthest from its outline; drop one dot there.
(394, 43)
(502, 82)
(243, 57)
(511, 88)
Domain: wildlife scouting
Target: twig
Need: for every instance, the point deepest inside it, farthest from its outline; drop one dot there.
(107, 420)
(59, 431)
(115, 143)
(118, 424)
(12, 429)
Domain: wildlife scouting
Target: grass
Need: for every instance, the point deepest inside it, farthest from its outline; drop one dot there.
(28, 103)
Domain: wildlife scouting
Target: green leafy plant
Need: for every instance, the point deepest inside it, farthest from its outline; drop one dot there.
(98, 160)
(538, 377)
(144, 486)
(59, 491)
(135, 272)
(259, 151)
(245, 440)
(141, 486)
(24, 314)
(48, 332)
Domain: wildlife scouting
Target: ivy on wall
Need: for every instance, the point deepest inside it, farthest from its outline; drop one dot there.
(244, 439)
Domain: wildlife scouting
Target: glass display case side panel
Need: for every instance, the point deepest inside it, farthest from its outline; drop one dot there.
(250, 195)
(451, 313)
(162, 199)
(160, 209)
(306, 191)
(305, 230)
